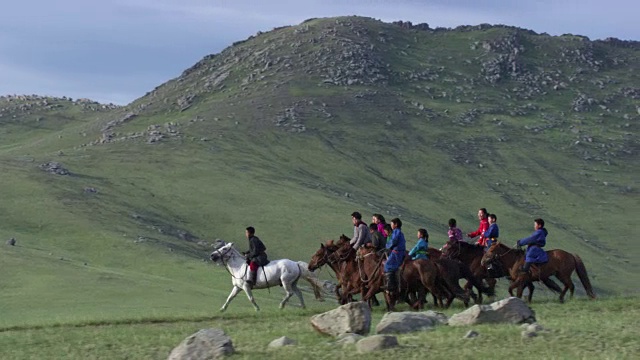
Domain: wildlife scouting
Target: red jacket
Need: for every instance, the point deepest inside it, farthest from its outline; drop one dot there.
(484, 225)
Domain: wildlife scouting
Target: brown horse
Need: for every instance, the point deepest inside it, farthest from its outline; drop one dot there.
(342, 260)
(321, 258)
(561, 264)
(471, 255)
(417, 276)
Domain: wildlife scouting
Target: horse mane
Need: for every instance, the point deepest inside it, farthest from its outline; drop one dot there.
(509, 248)
(470, 247)
(232, 247)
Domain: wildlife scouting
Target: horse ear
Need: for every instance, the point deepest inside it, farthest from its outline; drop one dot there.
(321, 246)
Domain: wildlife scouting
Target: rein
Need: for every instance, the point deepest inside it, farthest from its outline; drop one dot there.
(360, 261)
(227, 266)
(339, 257)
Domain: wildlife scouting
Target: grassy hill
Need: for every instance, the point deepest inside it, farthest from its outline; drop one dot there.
(293, 129)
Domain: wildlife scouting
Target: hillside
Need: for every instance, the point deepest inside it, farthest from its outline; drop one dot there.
(293, 129)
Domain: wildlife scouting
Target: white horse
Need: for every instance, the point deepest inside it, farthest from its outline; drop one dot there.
(283, 272)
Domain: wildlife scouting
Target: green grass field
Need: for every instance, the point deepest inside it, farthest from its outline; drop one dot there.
(601, 329)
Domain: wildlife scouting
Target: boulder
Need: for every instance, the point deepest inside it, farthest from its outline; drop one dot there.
(404, 322)
(376, 342)
(354, 318)
(511, 310)
(204, 344)
(348, 339)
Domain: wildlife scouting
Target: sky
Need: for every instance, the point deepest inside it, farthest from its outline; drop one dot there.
(115, 51)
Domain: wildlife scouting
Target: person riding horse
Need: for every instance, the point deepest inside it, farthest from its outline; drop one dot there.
(492, 233)
(535, 243)
(484, 225)
(256, 256)
(361, 235)
(396, 248)
(419, 251)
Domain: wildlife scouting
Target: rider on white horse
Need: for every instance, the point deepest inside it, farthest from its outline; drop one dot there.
(256, 256)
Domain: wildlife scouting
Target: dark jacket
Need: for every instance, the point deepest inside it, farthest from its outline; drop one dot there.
(257, 251)
(378, 241)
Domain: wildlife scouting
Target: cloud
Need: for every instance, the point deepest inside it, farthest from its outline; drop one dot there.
(117, 50)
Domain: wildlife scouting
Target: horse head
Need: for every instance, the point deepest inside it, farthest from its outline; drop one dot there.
(222, 253)
(343, 239)
(321, 256)
(494, 253)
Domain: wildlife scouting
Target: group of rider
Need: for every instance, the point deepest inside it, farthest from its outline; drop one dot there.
(389, 238)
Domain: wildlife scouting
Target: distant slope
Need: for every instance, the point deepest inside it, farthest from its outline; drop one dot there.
(293, 129)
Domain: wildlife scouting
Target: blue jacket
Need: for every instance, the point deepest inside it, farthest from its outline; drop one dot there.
(420, 250)
(535, 243)
(398, 248)
(491, 233)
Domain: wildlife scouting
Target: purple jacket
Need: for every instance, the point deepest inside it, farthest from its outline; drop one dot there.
(535, 243)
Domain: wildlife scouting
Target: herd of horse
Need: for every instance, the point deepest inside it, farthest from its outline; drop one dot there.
(361, 273)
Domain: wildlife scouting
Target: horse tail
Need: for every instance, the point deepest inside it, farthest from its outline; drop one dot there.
(584, 278)
(312, 278)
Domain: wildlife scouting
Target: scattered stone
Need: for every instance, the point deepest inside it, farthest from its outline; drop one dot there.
(535, 327)
(54, 167)
(348, 339)
(471, 334)
(404, 322)
(376, 342)
(354, 318)
(282, 341)
(204, 344)
(511, 310)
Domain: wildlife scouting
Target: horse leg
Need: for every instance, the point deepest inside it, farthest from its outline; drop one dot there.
(233, 294)
(520, 291)
(531, 288)
(289, 291)
(469, 288)
(491, 284)
(568, 285)
(247, 290)
(299, 294)
(512, 286)
(420, 300)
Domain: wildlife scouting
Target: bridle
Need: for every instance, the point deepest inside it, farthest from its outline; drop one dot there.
(495, 257)
(222, 256)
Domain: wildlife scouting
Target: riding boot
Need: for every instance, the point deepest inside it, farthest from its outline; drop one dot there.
(525, 268)
(390, 281)
(252, 278)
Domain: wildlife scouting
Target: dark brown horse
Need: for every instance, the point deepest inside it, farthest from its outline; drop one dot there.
(322, 257)
(471, 255)
(342, 259)
(416, 277)
(561, 264)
